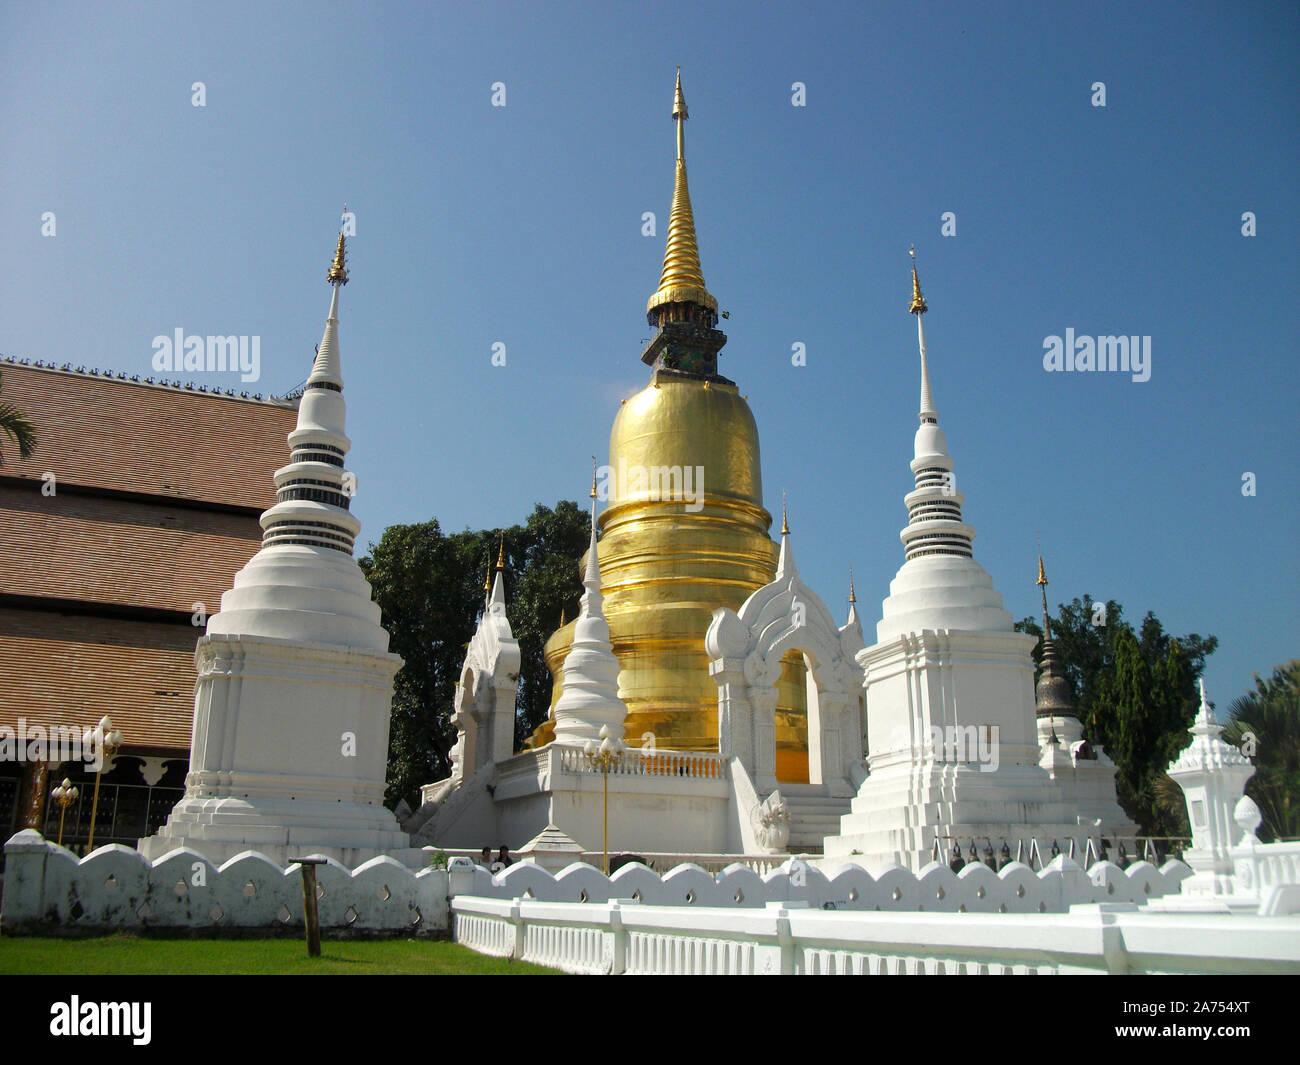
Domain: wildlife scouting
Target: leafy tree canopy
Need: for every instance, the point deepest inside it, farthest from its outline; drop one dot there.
(1137, 696)
(429, 586)
(1265, 723)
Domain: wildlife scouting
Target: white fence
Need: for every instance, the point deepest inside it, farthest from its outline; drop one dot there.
(976, 889)
(790, 938)
(48, 890)
(659, 861)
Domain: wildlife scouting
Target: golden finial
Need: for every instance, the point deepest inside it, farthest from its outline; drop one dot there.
(593, 476)
(682, 279)
(1042, 586)
(561, 617)
(918, 301)
(338, 271)
(501, 553)
(487, 579)
(785, 525)
(853, 598)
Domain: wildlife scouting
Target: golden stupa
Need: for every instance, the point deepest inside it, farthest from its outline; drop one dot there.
(667, 563)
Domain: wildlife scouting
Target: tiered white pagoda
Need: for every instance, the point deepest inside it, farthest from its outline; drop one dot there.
(292, 702)
(953, 749)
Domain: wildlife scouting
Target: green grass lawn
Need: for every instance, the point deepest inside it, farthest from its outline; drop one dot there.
(126, 954)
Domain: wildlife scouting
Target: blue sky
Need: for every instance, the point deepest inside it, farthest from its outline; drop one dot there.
(522, 225)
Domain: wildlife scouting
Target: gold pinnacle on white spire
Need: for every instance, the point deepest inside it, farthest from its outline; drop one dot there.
(785, 563)
(927, 412)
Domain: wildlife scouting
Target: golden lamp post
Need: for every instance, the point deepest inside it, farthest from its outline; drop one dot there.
(604, 756)
(109, 740)
(65, 795)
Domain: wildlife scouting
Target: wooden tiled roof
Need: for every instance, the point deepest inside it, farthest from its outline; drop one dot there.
(104, 433)
(61, 669)
(120, 552)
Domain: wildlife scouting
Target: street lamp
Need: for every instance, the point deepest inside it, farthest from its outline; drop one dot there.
(109, 740)
(604, 756)
(65, 795)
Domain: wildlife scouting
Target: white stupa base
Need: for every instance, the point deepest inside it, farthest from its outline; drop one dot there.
(289, 753)
(898, 815)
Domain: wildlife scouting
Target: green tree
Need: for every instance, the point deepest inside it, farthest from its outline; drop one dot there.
(1266, 724)
(1136, 693)
(429, 587)
(17, 428)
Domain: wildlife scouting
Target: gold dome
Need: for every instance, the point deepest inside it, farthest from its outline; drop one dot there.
(685, 531)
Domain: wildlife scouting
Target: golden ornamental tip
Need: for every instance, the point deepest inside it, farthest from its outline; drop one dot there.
(919, 305)
(487, 579)
(682, 278)
(1042, 576)
(338, 271)
(785, 525)
(853, 598)
(593, 476)
(501, 553)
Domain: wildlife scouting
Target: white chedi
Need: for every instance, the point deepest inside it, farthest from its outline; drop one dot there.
(589, 708)
(295, 679)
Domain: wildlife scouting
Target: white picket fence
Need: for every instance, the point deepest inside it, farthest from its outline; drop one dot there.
(621, 936)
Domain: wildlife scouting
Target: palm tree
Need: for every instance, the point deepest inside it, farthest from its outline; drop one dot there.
(1265, 723)
(17, 428)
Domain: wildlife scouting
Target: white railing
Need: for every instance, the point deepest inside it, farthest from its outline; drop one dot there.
(789, 938)
(659, 861)
(654, 762)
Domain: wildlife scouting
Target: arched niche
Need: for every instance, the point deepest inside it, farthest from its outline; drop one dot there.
(746, 649)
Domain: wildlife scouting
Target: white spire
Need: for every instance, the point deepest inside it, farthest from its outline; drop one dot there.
(590, 675)
(935, 525)
(326, 368)
(304, 583)
(785, 564)
(927, 413)
(940, 585)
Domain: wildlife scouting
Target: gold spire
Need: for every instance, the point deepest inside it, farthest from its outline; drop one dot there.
(853, 598)
(501, 553)
(682, 279)
(1042, 584)
(785, 525)
(487, 579)
(593, 476)
(338, 271)
(918, 301)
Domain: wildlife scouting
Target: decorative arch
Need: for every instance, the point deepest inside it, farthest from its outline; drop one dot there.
(745, 649)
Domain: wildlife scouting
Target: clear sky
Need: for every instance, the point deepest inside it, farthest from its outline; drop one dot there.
(522, 225)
